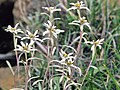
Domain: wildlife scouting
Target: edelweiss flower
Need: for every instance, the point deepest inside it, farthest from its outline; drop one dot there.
(64, 55)
(78, 5)
(51, 9)
(32, 37)
(51, 29)
(82, 22)
(14, 29)
(24, 47)
(68, 60)
(95, 44)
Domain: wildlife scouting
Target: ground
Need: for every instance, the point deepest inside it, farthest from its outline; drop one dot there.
(7, 79)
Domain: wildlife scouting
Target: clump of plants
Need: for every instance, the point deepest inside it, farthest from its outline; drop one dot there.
(52, 65)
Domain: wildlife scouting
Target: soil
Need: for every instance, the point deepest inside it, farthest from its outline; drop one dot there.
(7, 80)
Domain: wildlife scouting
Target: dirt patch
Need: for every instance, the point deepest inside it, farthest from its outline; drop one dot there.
(7, 80)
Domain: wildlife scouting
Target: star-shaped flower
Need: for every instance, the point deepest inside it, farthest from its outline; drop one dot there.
(81, 22)
(31, 36)
(25, 47)
(95, 44)
(51, 29)
(51, 9)
(78, 5)
(14, 30)
(68, 60)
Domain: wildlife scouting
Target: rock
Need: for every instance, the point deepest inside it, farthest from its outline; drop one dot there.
(22, 8)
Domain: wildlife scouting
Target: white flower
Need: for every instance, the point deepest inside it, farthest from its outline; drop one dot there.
(95, 44)
(78, 5)
(51, 9)
(51, 29)
(24, 47)
(68, 60)
(14, 29)
(32, 37)
(64, 55)
(81, 22)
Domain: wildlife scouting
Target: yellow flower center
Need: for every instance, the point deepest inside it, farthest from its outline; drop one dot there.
(77, 5)
(50, 9)
(82, 21)
(31, 36)
(69, 63)
(65, 55)
(25, 47)
(13, 29)
(52, 30)
(95, 43)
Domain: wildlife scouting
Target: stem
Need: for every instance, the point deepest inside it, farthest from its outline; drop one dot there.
(93, 57)
(26, 70)
(81, 32)
(51, 17)
(78, 12)
(47, 69)
(80, 41)
(31, 63)
(49, 53)
(16, 54)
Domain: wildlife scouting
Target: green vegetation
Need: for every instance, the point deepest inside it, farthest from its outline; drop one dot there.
(72, 52)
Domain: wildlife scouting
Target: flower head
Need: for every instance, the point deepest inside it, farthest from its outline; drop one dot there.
(64, 55)
(51, 9)
(81, 22)
(68, 60)
(24, 47)
(51, 29)
(78, 5)
(95, 44)
(13, 29)
(32, 37)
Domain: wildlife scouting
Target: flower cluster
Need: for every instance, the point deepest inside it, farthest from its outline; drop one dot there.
(78, 5)
(68, 60)
(14, 30)
(25, 47)
(32, 37)
(66, 57)
(51, 29)
(66, 65)
(81, 22)
(95, 44)
(51, 9)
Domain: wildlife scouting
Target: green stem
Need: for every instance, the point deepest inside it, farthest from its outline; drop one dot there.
(78, 12)
(51, 17)
(90, 64)
(26, 70)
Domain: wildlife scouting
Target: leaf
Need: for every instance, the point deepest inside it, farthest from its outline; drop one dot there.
(114, 80)
(94, 67)
(9, 65)
(16, 89)
(39, 86)
(37, 82)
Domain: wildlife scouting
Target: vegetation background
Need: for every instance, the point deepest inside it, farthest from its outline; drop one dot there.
(105, 22)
